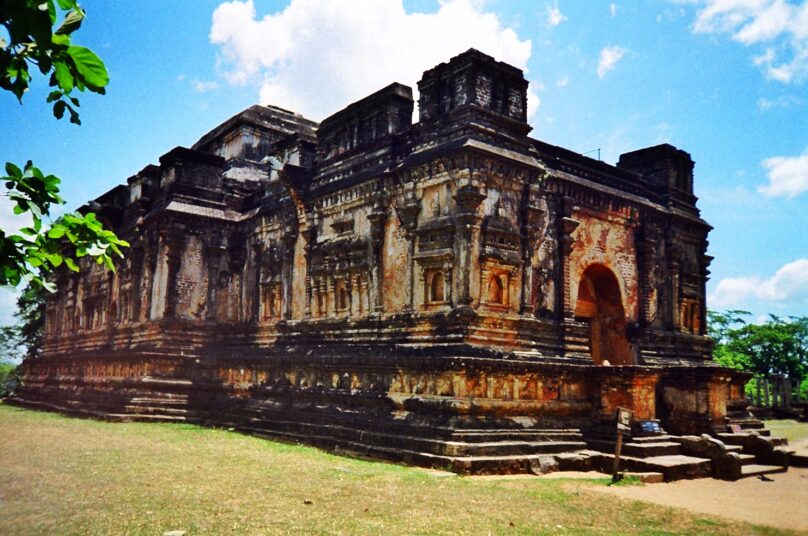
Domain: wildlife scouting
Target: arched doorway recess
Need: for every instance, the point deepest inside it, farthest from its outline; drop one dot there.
(600, 304)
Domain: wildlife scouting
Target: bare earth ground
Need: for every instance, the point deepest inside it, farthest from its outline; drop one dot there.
(782, 503)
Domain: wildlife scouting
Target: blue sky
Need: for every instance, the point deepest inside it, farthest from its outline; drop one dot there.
(722, 79)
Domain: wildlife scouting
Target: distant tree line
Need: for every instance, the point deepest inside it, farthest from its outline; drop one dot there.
(21, 340)
(777, 346)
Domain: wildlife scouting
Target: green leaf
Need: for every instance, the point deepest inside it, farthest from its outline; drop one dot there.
(71, 23)
(13, 170)
(61, 40)
(59, 109)
(56, 232)
(51, 7)
(70, 263)
(74, 115)
(89, 66)
(63, 76)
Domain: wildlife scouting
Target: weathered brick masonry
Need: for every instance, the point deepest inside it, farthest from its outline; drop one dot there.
(373, 283)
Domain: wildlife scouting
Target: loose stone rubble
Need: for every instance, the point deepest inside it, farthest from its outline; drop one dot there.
(450, 292)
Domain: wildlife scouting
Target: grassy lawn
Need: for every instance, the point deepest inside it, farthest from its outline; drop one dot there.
(796, 432)
(788, 428)
(63, 475)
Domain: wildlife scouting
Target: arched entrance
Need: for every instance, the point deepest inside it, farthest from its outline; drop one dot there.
(600, 304)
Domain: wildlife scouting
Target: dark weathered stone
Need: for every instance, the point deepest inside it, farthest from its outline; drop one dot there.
(378, 285)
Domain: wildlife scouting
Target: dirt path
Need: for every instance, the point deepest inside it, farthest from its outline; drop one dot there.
(782, 503)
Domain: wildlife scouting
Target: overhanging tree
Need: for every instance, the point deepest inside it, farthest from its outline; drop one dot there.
(38, 37)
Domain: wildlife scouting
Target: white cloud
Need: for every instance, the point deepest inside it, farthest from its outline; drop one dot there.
(779, 23)
(788, 176)
(787, 101)
(202, 86)
(789, 286)
(316, 56)
(563, 81)
(609, 57)
(613, 9)
(554, 16)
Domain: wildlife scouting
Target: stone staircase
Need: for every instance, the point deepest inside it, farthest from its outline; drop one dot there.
(467, 447)
(465, 451)
(676, 458)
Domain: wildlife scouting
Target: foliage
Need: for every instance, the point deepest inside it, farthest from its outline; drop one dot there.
(30, 317)
(777, 346)
(35, 41)
(10, 378)
(22, 339)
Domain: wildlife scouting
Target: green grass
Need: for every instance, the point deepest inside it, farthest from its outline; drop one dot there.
(796, 432)
(62, 475)
(788, 428)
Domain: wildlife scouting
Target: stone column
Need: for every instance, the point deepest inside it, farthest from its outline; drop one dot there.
(174, 244)
(258, 266)
(566, 226)
(146, 281)
(310, 235)
(531, 227)
(136, 271)
(377, 220)
(706, 260)
(645, 245)
(468, 219)
(214, 252)
(673, 266)
(287, 273)
(160, 290)
(408, 216)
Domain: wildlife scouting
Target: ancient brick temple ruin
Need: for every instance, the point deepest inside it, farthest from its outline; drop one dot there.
(449, 292)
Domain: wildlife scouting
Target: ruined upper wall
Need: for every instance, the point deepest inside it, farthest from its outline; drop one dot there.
(250, 134)
(474, 80)
(387, 111)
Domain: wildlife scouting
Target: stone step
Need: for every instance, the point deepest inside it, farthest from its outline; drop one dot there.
(757, 470)
(745, 438)
(747, 459)
(646, 478)
(638, 450)
(157, 403)
(279, 418)
(406, 441)
(644, 450)
(652, 439)
(674, 467)
(137, 409)
(145, 417)
(483, 436)
(181, 399)
(748, 423)
(511, 448)
(166, 382)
